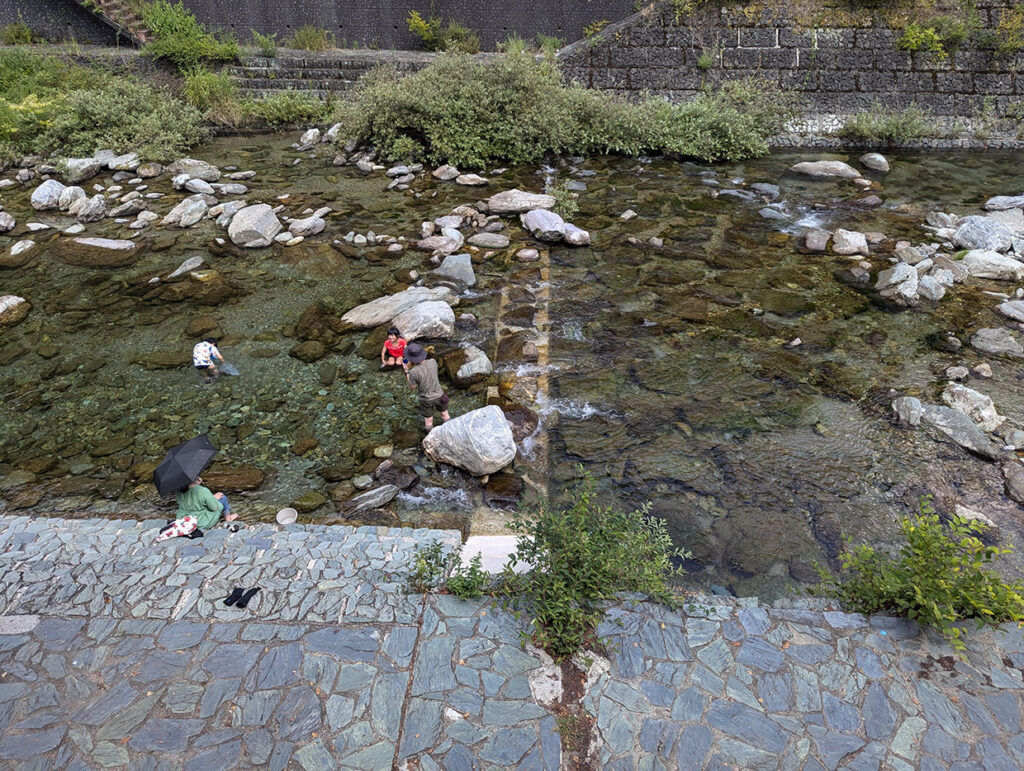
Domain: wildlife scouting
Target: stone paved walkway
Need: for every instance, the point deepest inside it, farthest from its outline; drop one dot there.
(118, 653)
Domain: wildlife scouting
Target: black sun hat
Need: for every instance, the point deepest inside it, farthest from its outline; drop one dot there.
(414, 352)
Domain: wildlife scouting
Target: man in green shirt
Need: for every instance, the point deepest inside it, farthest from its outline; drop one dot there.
(421, 373)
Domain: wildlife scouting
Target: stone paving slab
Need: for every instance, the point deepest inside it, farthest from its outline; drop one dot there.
(442, 683)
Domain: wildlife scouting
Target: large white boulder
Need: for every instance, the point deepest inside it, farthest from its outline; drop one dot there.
(433, 319)
(47, 195)
(77, 170)
(518, 201)
(195, 169)
(254, 226)
(977, 232)
(822, 169)
(479, 442)
(847, 242)
(543, 224)
(985, 263)
(974, 405)
(1004, 202)
(383, 309)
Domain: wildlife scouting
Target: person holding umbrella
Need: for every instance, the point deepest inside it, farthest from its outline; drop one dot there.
(178, 473)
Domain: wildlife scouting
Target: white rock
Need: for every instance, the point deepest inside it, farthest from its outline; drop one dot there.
(187, 213)
(957, 373)
(459, 267)
(445, 173)
(310, 137)
(985, 263)
(543, 224)
(982, 370)
(930, 289)
(975, 516)
(489, 240)
(309, 226)
(479, 442)
(908, 410)
(875, 161)
(527, 255)
(383, 309)
(825, 169)
(899, 283)
(974, 405)
(77, 170)
(1003, 202)
(449, 241)
(470, 180)
(997, 341)
(331, 135)
(230, 188)
(1013, 309)
(192, 263)
(196, 169)
(108, 244)
(847, 242)
(92, 209)
(74, 230)
(35, 227)
(575, 236)
(518, 201)
(12, 309)
(7, 222)
(179, 181)
(126, 162)
(47, 195)
(432, 319)
(627, 215)
(476, 366)
(976, 232)
(199, 186)
(254, 226)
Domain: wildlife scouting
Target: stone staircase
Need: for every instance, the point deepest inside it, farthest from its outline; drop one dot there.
(120, 17)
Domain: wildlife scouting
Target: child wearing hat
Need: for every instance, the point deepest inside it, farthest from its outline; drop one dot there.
(421, 374)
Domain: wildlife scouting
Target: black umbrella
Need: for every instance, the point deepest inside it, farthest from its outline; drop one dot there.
(182, 464)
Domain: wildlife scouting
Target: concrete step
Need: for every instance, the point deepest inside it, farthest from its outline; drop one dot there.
(270, 73)
(256, 84)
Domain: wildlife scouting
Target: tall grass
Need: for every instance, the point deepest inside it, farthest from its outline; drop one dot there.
(179, 38)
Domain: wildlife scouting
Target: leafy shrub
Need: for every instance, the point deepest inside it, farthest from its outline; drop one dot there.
(18, 33)
(52, 106)
(880, 125)
(286, 108)
(179, 38)
(435, 36)
(1009, 31)
(594, 27)
(470, 581)
(428, 566)
(310, 38)
(565, 200)
(513, 44)
(937, 37)
(580, 556)
(213, 94)
(517, 109)
(707, 58)
(267, 44)
(549, 45)
(940, 578)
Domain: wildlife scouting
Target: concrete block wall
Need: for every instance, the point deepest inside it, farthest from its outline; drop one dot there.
(847, 66)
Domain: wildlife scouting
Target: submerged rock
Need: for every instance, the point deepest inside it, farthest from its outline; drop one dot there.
(383, 309)
(977, 232)
(433, 318)
(254, 226)
(371, 499)
(98, 252)
(479, 442)
(974, 405)
(822, 169)
(13, 309)
(960, 429)
(875, 161)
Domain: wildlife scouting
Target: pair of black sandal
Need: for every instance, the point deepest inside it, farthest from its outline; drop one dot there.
(240, 597)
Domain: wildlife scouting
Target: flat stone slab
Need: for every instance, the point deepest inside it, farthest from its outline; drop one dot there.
(18, 624)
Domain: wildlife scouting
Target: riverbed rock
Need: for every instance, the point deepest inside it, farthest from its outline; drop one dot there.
(126, 162)
(445, 173)
(310, 137)
(234, 480)
(199, 186)
(575, 236)
(824, 169)
(68, 196)
(98, 252)
(931, 288)
(1013, 309)
(19, 254)
(527, 255)
(450, 240)
(977, 232)
(383, 309)
(471, 180)
(7, 222)
(75, 170)
(431, 319)
(847, 242)
(467, 366)
(186, 267)
(518, 201)
(46, 197)
(93, 210)
(489, 240)
(195, 169)
(960, 429)
(371, 499)
(479, 442)
(898, 283)
(874, 161)
(187, 212)
(459, 267)
(997, 341)
(308, 352)
(986, 263)
(254, 226)
(1004, 202)
(977, 406)
(309, 226)
(908, 410)
(543, 224)
(13, 309)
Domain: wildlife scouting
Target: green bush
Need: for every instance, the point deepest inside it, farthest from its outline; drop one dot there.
(549, 45)
(880, 125)
(580, 556)
(286, 108)
(52, 106)
(214, 94)
(469, 581)
(566, 205)
(428, 566)
(517, 109)
(18, 33)
(937, 37)
(941, 578)
(267, 44)
(435, 36)
(179, 38)
(1009, 32)
(310, 38)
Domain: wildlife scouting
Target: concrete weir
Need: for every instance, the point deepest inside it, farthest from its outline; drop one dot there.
(117, 651)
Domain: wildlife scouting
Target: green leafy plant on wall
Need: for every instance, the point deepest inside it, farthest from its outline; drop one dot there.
(180, 39)
(310, 38)
(938, 37)
(1009, 32)
(594, 27)
(434, 35)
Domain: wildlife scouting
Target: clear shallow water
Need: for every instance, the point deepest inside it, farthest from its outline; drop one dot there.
(666, 374)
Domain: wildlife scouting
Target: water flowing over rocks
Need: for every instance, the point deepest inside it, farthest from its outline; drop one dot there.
(429, 319)
(12, 309)
(974, 405)
(518, 202)
(977, 232)
(823, 169)
(384, 309)
(479, 442)
(254, 226)
(985, 263)
(47, 196)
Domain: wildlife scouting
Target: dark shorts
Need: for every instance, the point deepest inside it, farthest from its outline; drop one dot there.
(427, 406)
(203, 366)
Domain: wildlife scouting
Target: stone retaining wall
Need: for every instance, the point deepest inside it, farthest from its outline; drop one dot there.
(58, 20)
(841, 60)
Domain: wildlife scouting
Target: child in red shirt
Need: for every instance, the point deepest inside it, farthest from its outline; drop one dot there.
(393, 350)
